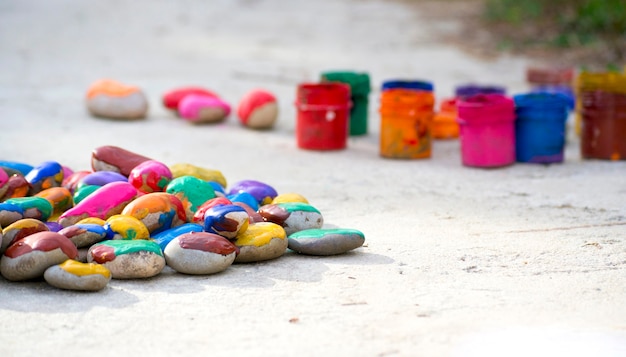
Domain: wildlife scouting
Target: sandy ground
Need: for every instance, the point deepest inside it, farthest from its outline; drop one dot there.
(526, 260)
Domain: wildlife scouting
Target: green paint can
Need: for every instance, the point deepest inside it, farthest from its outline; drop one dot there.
(359, 88)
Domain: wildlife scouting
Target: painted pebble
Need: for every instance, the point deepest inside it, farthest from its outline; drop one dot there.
(289, 197)
(4, 182)
(226, 220)
(114, 100)
(84, 234)
(128, 259)
(17, 186)
(198, 216)
(74, 275)
(33, 207)
(172, 98)
(293, 216)
(71, 182)
(150, 176)
(113, 158)
(121, 226)
(328, 241)
(105, 202)
(29, 257)
(82, 193)
(158, 211)
(258, 109)
(9, 213)
(23, 168)
(262, 192)
(254, 216)
(184, 169)
(165, 237)
(101, 178)
(200, 253)
(191, 191)
(21, 229)
(45, 175)
(261, 241)
(60, 199)
(244, 197)
(198, 109)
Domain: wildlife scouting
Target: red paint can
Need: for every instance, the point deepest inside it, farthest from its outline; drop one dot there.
(323, 116)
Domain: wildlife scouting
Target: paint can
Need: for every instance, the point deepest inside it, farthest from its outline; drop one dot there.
(322, 115)
(405, 125)
(359, 95)
(540, 127)
(408, 84)
(487, 130)
(603, 130)
(444, 122)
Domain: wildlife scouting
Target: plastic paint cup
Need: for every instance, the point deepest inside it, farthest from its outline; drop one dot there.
(405, 126)
(540, 127)
(444, 122)
(359, 88)
(468, 90)
(322, 116)
(487, 130)
(603, 129)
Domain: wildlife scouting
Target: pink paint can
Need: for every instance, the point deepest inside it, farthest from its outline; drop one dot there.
(487, 130)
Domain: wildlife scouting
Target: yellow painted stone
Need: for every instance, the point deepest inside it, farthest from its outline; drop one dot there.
(81, 269)
(92, 220)
(260, 234)
(289, 197)
(184, 169)
(127, 227)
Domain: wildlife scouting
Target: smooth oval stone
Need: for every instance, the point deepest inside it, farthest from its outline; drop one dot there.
(191, 191)
(101, 178)
(17, 186)
(33, 207)
(197, 109)
(325, 241)
(59, 197)
(83, 192)
(150, 176)
(219, 189)
(121, 226)
(244, 197)
(105, 202)
(258, 109)
(261, 241)
(45, 175)
(184, 169)
(200, 253)
(165, 237)
(21, 229)
(289, 197)
(10, 213)
(113, 158)
(74, 275)
(128, 259)
(30, 256)
(262, 192)
(84, 235)
(171, 99)
(292, 216)
(158, 211)
(226, 220)
(23, 168)
(71, 182)
(115, 100)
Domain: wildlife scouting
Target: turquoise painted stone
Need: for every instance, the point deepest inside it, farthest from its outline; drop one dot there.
(292, 216)
(84, 191)
(128, 259)
(191, 191)
(325, 241)
(33, 207)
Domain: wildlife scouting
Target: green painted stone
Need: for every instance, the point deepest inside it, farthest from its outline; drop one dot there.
(329, 241)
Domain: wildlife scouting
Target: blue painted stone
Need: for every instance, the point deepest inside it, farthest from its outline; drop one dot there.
(163, 238)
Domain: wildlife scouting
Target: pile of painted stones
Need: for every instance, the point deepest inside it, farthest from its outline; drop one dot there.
(130, 216)
(111, 99)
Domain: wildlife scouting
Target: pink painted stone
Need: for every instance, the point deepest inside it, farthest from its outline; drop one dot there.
(150, 176)
(258, 109)
(203, 109)
(171, 99)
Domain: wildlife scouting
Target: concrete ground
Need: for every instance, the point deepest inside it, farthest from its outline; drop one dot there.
(527, 260)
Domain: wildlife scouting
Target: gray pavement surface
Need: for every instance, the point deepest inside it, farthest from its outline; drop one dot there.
(528, 260)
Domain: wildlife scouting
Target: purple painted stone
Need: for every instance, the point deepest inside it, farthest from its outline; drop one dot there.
(262, 192)
(101, 178)
(54, 226)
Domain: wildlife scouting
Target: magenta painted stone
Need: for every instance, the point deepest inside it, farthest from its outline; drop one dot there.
(150, 176)
(203, 109)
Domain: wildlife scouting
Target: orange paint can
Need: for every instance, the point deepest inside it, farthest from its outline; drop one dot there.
(406, 123)
(444, 122)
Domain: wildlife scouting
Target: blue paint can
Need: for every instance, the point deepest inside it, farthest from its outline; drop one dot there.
(540, 127)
